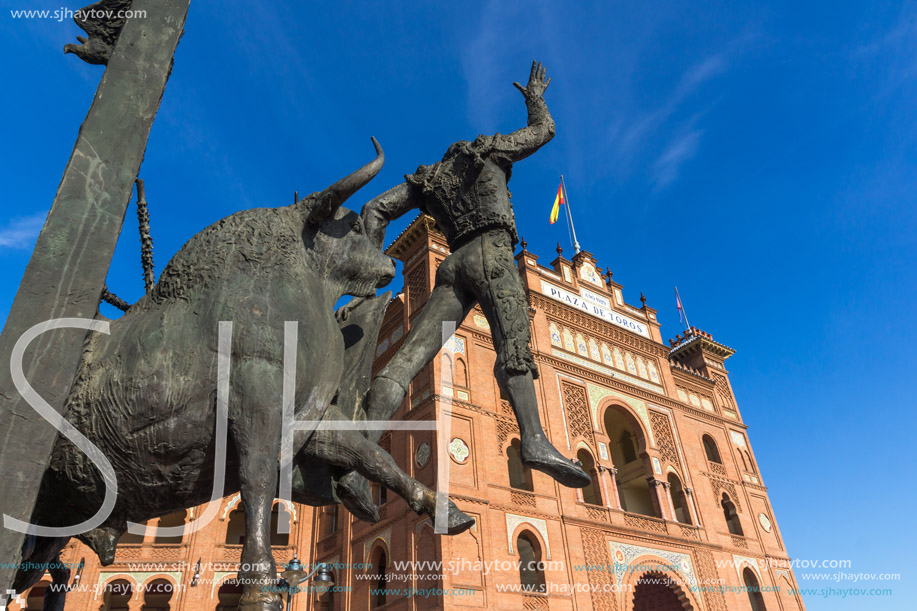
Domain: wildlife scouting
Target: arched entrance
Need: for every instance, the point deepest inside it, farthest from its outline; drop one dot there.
(627, 444)
(658, 592)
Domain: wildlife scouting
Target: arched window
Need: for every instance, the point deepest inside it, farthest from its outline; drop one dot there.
(753, 589)
(461, 373)
(328, 523)
(228, 596)
(531, 573)
(713, 454)
(280, 515)
(36, 598)
(117, 595)
(379, 570)
(235, 529)
(732, 516)
(679, 499)
(591, 493)
(520, 477)
(326, 600)
(173, 519)
(448, 371)
(379, 493)
(129, 538)
(627, 447)
(157, 596)
(751, 464)
(633, 468)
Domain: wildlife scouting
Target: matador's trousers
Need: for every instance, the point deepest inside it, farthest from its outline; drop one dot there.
(481, 270)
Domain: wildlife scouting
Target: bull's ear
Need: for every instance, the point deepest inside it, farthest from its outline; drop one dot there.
(334, 196)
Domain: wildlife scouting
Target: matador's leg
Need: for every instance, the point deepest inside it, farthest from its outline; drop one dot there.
(503, 300)
(448, 303)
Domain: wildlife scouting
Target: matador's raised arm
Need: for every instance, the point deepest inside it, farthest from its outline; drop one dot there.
(540, 129)
(379, 211)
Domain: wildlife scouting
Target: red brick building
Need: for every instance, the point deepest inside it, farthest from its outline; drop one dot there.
(677, 517)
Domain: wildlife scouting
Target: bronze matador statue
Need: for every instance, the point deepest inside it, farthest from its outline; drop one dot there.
(466, 194)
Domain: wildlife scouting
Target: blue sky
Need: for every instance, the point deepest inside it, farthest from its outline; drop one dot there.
(763, 156)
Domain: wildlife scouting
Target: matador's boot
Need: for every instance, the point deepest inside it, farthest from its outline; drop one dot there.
(538, 453)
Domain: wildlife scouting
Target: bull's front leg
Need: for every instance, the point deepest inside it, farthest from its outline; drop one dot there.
(256, 430)
(351, 450)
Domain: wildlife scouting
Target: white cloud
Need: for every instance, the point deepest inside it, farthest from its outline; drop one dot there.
(21, 233)
(680, 150)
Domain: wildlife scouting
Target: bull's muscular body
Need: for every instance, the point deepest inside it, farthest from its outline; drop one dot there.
(146, 394)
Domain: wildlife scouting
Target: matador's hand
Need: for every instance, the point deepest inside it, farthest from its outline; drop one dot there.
(537, 83)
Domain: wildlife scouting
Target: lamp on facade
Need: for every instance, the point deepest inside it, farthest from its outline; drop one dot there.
(294, 574)
(197, 573)
(79, 573)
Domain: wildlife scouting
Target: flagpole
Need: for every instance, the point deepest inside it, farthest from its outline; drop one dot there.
(681, 307)
(563, 185)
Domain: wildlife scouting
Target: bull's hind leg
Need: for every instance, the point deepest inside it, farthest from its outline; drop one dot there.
(351, 450)
(255, 428)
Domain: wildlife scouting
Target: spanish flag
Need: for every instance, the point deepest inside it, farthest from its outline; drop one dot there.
(558, 202)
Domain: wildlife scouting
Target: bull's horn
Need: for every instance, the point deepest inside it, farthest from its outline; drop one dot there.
(335, 195)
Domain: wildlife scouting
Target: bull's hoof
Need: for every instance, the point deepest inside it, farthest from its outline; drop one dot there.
(356, 495)
(458, 521)
(260, 600)
(538, 453)
(104, 542)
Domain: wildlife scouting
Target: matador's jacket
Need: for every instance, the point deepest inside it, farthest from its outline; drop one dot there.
(466, 194)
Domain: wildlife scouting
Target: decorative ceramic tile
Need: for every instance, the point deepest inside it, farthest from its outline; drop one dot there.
(480, 322)
(555, 336)
(386, 536)
(513, 520)
(603, 450)
(459, 450)
(657, 468)
(740, 561)
(594, 350)
(619, 360)
(737, 438)
(455, 344)
(606, 355)
(597, 393)
(654, 374)
(422, 455)
(706, 404)
(682, 395)
(765, 522)
(611, 373)
(587, 272)
(624, 556)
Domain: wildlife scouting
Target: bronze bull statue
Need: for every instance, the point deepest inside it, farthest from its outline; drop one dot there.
(146, 393)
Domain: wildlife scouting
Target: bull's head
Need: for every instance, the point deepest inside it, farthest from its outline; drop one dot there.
(336, 239)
